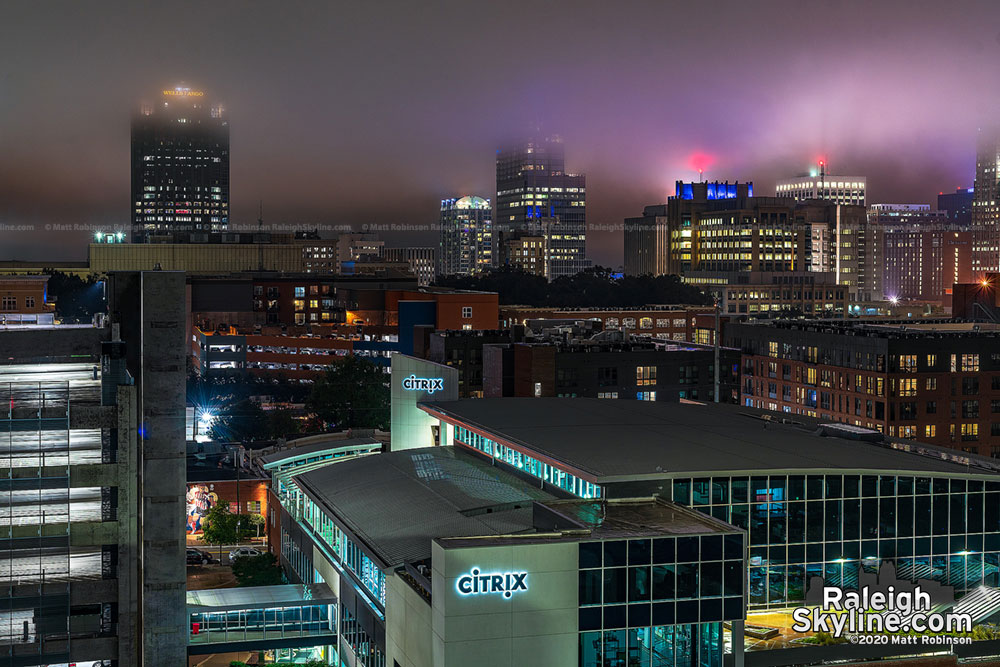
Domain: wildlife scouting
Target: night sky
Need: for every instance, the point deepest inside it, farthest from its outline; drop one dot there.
(371, 112)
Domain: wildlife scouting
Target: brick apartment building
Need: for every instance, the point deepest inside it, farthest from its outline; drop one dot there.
(933, 381)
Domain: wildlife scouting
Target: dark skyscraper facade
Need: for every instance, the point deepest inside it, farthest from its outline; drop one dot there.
(958, 204)
(986, 204)
(536, 197)
(180, 168)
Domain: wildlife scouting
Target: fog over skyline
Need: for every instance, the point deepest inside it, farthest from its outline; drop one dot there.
(350, 113)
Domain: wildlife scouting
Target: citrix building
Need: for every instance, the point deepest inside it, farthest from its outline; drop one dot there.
(589, 532)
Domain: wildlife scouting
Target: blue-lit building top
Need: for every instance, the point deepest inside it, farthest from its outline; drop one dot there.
(713, 190)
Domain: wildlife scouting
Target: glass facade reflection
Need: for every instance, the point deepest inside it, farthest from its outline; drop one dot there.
(340, 545)
(659, 601)
(659, 646)
(538, 469)
(804, 526)
(238, 625)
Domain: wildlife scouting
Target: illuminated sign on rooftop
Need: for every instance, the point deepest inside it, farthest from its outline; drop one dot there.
(502, 583)
(183, 92)
(430, 385)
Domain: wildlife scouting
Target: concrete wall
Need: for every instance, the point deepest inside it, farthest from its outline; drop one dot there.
(159, 320)
(411, 426)
(408, 625)
(533, 628)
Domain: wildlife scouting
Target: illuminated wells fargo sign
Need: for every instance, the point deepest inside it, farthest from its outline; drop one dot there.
(183, 92)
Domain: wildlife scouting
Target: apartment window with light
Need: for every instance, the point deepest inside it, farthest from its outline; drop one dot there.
(908, 387)
(645, 375)
(908, 363)
(931, 360)
(970, 432)
(646, 395)
(970, 363)
(930, 430)
(931, 384)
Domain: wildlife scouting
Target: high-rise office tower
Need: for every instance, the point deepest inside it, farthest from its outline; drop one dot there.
(180, 168)
(92, 453)
(957, 205)
(818, 184)
(536, 197)
(986, 204)
(466, 236)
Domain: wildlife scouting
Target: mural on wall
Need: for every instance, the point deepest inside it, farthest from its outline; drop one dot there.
(200, 499)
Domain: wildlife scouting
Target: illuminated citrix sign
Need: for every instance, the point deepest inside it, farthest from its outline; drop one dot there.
(430, 385)
(499, 583)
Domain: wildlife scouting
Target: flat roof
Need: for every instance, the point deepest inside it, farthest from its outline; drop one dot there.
(291, 450)
(887, 327)
(396, 503)
(616, 440)
(259, 597)
(616, 519)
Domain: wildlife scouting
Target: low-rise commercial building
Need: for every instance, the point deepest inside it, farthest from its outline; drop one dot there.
(583, 533)
(24, 300)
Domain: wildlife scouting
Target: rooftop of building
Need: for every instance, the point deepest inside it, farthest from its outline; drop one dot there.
(259, 597)
(886, 328)
(396, 503)
(651, 307)
(459, 499)
(617, 440)
(616, 519)
(314, 445)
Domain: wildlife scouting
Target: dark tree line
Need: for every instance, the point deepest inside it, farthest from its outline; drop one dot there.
(77, 300)
(592, 288)
(353, 394)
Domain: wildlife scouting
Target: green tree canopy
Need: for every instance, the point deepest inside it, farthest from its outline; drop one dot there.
(352, 394)
(592, 288)
(222, 527)
(241, 422)
(262, 570)
(76, 299)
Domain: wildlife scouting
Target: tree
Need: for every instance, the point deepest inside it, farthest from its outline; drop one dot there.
(262, 570)
(352, 394)
(76, 299)
(242, 422)
(282, 423)
(221, 527)
(597, 287)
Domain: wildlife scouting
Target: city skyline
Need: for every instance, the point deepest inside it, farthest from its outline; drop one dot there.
(324, 124)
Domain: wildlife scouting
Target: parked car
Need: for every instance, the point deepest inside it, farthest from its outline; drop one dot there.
(241, 552)
(199, 557)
